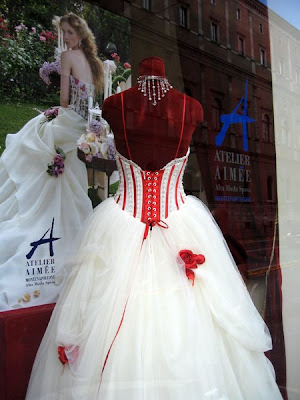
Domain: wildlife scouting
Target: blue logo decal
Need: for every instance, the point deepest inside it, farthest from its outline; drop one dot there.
(38, 243)
(235, 118)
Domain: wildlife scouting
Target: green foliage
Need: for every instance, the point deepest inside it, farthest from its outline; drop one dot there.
(36, 12)
(113, 188)
(127, 73)
(108, 27)
(13, 117)
(21, 57)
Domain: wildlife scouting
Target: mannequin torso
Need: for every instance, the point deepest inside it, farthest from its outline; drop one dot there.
(153, 132)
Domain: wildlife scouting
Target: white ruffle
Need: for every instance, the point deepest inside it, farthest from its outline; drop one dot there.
(176, 341)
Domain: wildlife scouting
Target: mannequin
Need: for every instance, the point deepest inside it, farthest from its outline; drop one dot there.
(151, 127)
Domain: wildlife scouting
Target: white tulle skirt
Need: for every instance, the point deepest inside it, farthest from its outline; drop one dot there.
(34, 205)
(137, 329)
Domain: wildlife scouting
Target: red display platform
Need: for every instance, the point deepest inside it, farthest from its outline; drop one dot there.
(21, 332)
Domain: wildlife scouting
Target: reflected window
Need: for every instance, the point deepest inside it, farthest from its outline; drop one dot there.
(263, 57)
(261, 29)
(270, 188)
(213, 2)
(266, 128)
(216, 114)
(241, 45)
(238, 13)
(183, 16)
(214, 32)
(297, 75)
(146, 4)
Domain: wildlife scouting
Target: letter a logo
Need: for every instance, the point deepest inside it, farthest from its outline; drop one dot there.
(235, 118)
(41, 241)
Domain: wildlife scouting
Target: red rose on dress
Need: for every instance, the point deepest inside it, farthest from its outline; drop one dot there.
(191, 260)
(62, 355)
(73, 353)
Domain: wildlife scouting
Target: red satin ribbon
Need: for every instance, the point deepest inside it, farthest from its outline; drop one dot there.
(151, 224)
(191, 262)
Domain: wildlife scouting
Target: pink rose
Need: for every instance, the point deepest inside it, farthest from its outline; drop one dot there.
(58, 159)
(42, 38)
(116, 57)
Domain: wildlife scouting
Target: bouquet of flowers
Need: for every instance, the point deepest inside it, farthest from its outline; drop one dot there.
(50, 73)
(91, 142)
(57, 165)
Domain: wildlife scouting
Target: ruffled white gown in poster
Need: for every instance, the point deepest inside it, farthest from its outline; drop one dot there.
(40, 214)
(129, 322)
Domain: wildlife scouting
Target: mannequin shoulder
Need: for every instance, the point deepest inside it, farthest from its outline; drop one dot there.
(115, 100)
(111, 101)
(111, 104)
(195, 109)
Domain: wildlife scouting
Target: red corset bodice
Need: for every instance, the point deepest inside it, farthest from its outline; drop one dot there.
(150, 195)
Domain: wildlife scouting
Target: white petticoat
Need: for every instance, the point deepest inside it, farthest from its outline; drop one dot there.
(131, 310)
(33, 203)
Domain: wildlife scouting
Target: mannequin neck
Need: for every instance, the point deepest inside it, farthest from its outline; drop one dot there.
(152, 66)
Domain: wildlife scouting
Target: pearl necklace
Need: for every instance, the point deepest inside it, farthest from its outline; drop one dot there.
(154, 86)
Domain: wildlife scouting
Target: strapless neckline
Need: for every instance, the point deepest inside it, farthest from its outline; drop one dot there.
(169, 164)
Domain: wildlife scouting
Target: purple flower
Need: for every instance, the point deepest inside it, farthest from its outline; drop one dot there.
(58, 160)
(50, 113)
(47, 69)
(111, 151)
(56, 167)
(20, 27)
(96, 127)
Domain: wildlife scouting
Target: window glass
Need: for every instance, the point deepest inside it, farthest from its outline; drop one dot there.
(241, 61)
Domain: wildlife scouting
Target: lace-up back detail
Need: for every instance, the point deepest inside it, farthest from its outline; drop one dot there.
(80, 92)
(151, 195)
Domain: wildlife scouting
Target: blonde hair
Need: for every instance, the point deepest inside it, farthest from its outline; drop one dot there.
(88, 46)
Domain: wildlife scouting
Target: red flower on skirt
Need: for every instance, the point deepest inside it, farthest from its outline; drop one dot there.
(191, 260)
(62, 355)
(73, 353)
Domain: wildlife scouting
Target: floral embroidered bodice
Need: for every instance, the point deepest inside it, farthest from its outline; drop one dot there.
(150, 195)
(79, 96)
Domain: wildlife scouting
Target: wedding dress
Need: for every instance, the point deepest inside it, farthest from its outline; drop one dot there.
(154, 307)
(41, 214)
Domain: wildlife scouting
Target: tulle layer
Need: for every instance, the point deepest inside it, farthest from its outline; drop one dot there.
(136, 328)
(33, 204)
